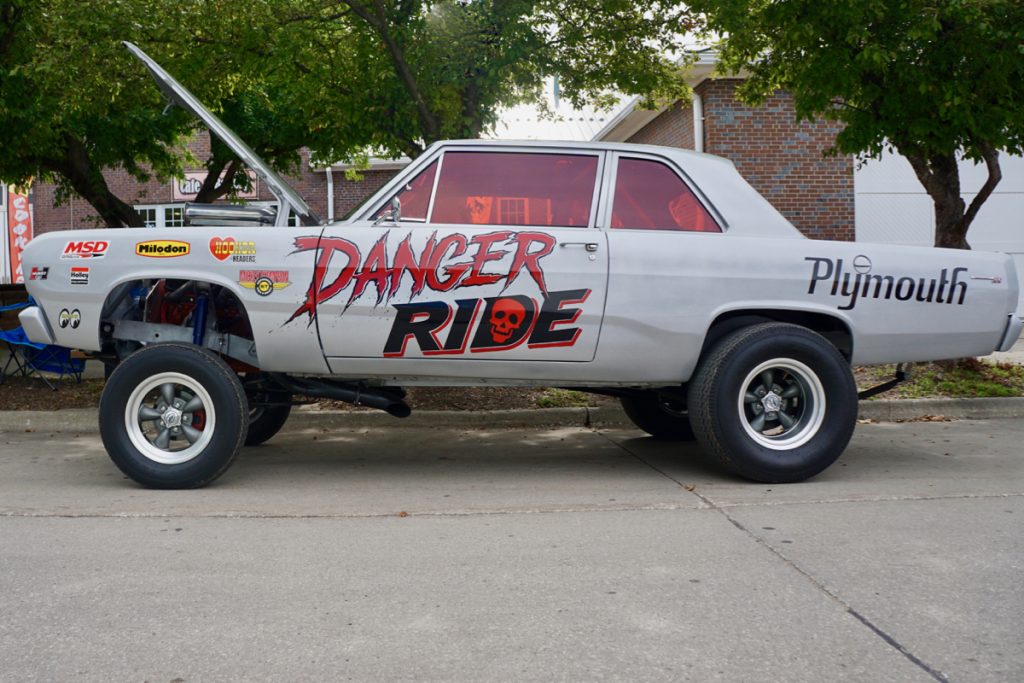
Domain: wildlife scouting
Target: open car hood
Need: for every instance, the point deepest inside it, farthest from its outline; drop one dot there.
(178, 94)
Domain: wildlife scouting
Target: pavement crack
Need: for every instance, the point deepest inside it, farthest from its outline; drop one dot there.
(814, 581)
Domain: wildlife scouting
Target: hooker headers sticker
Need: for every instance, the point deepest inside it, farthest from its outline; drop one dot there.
(947, 288)
(224, 248)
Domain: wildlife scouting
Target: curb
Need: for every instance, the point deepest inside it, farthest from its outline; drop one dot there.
(85, 419)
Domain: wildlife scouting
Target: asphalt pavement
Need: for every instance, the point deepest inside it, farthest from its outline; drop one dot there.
(471, 554)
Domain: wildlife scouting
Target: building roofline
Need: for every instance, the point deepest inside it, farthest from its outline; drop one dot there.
(632, 118)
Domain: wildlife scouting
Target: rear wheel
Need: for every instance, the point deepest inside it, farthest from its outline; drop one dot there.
(663, 417)
(268, 412)
(775, 402)
(173, 416)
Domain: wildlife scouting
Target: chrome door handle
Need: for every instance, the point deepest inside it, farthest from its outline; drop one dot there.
(589, 246)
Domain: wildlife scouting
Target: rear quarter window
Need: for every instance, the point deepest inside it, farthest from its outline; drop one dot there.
(651, 196)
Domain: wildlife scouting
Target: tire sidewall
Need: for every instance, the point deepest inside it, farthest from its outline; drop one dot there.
(755, 460)
(206, 369)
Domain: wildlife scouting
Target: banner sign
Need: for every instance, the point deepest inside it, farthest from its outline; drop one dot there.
(188, 187)
(19, 231)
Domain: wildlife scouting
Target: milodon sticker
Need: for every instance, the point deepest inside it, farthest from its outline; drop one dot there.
(39, 273)
(496, 323)
(79, 275)
(162, 248)
(85, 249)
(442, 265)
(263, 282)
(72, 318)
(861, 283)
(224, 248)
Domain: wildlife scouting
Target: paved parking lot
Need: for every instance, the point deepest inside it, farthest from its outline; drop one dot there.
(429, 554)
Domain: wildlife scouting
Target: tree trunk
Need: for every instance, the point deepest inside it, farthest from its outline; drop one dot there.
(78, 169)
(940, 176)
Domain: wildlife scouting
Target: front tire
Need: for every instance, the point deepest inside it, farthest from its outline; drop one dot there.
(173, 416)
(775, 402)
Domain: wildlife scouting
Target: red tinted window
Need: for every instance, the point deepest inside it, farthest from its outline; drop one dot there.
(650, 196)
(514, 188)
(415, 196)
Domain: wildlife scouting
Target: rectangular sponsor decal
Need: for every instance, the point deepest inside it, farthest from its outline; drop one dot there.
(79, 275)
(19, 231)
(162, 248)
(85, 249)
(39, 273)
(224, 248)
(263, 282)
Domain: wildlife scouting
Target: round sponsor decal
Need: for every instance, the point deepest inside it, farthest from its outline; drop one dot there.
(72, 318)
(264, 286)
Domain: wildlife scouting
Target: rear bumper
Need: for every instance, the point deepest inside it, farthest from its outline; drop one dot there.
(36, 327)
(1013, 328)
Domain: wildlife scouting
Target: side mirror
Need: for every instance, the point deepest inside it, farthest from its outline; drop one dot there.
(393, 215)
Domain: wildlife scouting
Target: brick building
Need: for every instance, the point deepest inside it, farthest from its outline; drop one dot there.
(783, 159)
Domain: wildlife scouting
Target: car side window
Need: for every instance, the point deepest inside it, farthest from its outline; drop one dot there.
(415, 196)
(515, 188)
(651, 196)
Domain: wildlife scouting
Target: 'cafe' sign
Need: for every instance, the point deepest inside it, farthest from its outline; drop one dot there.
(188, 187)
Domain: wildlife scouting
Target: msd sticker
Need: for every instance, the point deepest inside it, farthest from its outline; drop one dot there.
(86, 249)
(264, 282)
(162, 248)
(79, 275)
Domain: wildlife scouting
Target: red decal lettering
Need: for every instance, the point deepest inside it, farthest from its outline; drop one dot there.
(453, 271)
(483, 256)
(530, 260)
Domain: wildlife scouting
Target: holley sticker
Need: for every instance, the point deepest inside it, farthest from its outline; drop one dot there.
(264, 282)
(79, 275)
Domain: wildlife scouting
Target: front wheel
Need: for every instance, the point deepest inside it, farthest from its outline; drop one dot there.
(173, 416)
(775, 402)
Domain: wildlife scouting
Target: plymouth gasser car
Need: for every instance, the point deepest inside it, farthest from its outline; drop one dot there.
(656, 275)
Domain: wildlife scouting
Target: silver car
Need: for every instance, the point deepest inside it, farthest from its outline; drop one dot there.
(652, 274)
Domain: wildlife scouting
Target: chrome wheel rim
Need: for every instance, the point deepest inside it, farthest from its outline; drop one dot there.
(170, 418)
(782, 404)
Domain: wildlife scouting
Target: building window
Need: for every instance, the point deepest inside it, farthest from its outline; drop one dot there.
(162, 215)
(651, 196)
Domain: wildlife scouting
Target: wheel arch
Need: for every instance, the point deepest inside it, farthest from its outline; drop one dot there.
(121, 292)
(834, 328)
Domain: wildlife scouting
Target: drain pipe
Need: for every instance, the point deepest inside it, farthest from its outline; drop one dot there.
(330, 196)
(698, 123)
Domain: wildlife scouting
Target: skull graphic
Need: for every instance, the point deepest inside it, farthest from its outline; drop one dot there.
(507, 316)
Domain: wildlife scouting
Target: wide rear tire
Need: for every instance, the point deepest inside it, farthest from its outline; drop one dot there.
(173, 416)
(775, 402)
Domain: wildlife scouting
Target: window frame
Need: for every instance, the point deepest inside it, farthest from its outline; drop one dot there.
(425, 160)
(611, 177)
(160, 214)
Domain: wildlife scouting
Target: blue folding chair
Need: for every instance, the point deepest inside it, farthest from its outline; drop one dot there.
(31, 358)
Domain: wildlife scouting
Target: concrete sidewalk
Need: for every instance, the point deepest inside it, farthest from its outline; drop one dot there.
(541, 554)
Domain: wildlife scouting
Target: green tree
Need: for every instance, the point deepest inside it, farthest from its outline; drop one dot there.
(930, 79)
(337, 76)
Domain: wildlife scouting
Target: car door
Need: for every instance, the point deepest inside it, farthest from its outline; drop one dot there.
(495, 256)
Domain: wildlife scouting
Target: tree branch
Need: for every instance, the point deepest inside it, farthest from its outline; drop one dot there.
(378, 21)
(995, 174)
